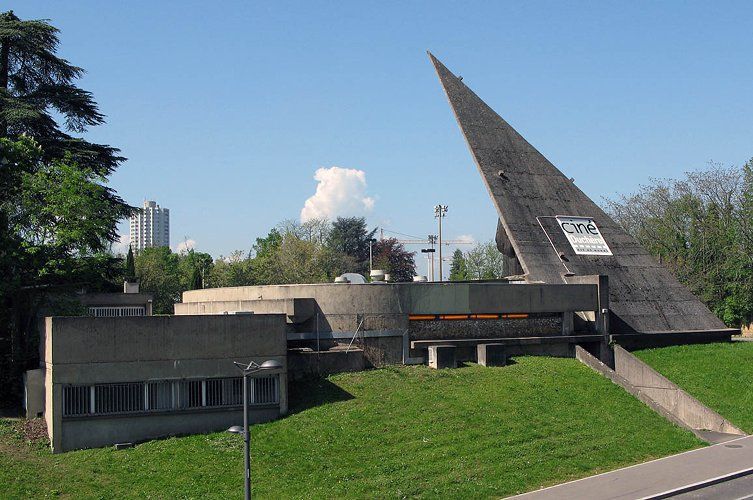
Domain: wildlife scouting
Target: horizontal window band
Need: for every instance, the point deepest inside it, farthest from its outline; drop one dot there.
(461, 317)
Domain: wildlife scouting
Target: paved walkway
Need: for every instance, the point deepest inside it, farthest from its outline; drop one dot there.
(734, 489)
(661, 478)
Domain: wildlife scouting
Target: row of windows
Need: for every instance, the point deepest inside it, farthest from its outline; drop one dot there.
(167, 395)
(116, 311)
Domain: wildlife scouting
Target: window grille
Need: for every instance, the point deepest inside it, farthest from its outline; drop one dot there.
(76, 400)
(160, 395)
(118, 398)
(224, 392)
(265, 390)
(167, 395)
(116, 311)
(191, 392)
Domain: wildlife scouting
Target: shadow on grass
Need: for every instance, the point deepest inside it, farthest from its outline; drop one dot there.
(309, 393)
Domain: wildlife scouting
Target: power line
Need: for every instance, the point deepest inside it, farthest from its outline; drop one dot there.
(402, 234)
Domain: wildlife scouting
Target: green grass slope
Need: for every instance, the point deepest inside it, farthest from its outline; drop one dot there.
(720, 375)
(394, 432)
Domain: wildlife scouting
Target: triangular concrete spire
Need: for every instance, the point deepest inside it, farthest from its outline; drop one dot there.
(528, 191)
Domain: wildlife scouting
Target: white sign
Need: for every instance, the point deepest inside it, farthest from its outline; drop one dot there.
(583, 235)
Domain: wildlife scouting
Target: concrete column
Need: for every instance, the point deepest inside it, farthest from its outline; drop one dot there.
(491, 354)
(284, 393)
(567, 323)
(442, 356)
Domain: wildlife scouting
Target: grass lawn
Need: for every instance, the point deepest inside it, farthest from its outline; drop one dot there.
(393, 432)
(720, 375)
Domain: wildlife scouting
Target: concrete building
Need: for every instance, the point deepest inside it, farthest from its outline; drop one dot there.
(395, 323)
(117, 380)
(150, 227)
(582, 285)
(110, 305)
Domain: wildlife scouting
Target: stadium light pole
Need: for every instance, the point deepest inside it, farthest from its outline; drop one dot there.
(440, 212)
(249, 369)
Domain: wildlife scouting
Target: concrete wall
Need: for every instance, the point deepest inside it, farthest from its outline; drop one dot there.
(374, 308)
(297, 310)
(303, 364)
(34, 393)
(416, 298)
(109, 350)
(595, 364)
(96, 432)
(668, 395)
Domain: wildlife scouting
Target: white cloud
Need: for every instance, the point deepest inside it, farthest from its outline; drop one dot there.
(120, 247)
(466, 238)
(185, 245)
(340, 192)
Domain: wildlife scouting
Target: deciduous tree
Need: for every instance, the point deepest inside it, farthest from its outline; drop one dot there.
(700, 228)
(392, 257)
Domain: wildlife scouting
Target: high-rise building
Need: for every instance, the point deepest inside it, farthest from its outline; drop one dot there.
(150, 227)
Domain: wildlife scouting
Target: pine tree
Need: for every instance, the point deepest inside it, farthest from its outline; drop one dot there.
(350, 236)
(458, 267)
(36, 86)
(130, 270)
(57, 215)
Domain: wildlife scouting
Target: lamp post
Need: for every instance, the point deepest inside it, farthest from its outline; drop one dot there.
(248, 369)
(371, 263)
(440, 212)
(430, 262)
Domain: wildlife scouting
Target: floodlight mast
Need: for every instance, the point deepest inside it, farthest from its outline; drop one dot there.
(440, 212)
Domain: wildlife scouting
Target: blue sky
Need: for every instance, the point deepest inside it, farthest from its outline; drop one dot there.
(226, 110)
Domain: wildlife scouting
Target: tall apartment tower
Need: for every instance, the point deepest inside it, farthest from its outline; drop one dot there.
(150, 227)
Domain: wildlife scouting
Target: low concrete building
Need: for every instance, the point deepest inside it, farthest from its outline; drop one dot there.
(395, 323)
(112, 305)
(115, 380)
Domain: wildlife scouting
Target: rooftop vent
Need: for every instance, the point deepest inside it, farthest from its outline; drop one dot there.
(377, 275)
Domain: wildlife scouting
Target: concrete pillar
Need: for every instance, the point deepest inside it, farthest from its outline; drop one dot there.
(442, 356)
(567, 323)
(491, 354)
(284, 393)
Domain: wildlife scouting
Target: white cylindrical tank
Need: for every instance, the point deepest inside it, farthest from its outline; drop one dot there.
(377, 275)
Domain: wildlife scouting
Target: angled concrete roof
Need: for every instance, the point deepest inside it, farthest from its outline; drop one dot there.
(528, 191)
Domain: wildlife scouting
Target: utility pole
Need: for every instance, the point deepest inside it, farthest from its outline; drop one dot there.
(440, 212)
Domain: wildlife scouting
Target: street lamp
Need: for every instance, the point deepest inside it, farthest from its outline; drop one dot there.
(371, 264)
(430, 261)
(440, 212)
(248, 369)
